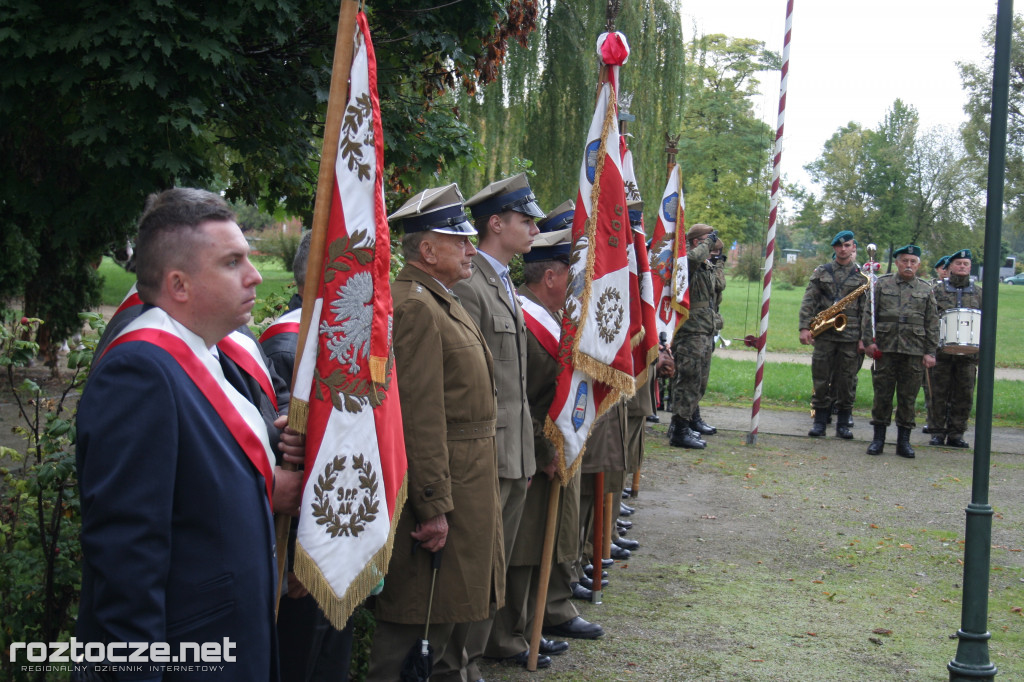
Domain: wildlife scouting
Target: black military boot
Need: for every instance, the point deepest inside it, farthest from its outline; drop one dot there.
(937, 439)
(673, 426)
(821, 416)
(956, 440)
(684, 437)
(903, 448)
(844, 420)
(878, 442)
(700, 426)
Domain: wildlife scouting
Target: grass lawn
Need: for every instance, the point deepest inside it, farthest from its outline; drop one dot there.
(741, 311)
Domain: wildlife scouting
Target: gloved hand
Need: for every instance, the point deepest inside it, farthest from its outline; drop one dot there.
(712, 237)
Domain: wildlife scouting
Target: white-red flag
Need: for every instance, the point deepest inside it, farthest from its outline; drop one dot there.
(594, 349)
(354, 485)
(669, 271)
(643, 332)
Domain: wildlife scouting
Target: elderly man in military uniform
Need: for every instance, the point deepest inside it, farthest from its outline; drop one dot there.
(951, 393)
(694, 341)
(504, 214)
(835, 360)
(906, 326)
(449, 413)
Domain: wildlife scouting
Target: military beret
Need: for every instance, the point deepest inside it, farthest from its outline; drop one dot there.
(962, 253)
(841, 237)
(438, 209)
(510, 194)
(699, 230)
(909, 249)
(942, 262)
(555, 238)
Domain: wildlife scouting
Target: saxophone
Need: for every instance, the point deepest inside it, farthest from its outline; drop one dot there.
(831, 317)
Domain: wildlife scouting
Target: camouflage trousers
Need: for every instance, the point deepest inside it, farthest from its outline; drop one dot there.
(898, 373)
(834, 367)
(952, 394)
(692, 354)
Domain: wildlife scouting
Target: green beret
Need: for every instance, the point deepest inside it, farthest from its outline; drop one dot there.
(841, 237)
(962, 253)
(909, 248)
(942, 262)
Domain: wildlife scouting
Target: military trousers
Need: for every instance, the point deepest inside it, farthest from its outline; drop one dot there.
(834, 367)
(952, 394)
(692, 353)
(898, 373)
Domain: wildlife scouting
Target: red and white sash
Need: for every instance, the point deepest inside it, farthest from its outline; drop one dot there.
(130, 300)
(241, 417)
(286, 324)
(542, 325)
(244, 352)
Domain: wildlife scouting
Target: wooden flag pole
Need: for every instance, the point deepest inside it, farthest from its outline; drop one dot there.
(546, 560)
(298, 411)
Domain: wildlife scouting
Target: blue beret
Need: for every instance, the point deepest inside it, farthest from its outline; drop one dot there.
(841, 237)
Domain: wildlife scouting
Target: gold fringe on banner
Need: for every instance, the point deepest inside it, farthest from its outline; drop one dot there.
(339, 608)
(379, 369)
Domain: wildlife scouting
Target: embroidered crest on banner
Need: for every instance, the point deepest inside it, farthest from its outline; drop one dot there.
(610, 313)
(347, 510)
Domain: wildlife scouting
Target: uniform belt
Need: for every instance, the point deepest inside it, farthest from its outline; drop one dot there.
(902, 319)
(471, 430)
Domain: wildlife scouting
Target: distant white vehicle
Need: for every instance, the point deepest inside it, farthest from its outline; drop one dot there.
(1009, 269)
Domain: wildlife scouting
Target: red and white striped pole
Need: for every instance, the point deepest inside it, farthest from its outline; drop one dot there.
(769, 254)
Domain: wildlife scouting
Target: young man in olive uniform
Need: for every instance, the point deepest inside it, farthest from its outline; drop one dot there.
(835, 360)
(952, 379)
(907, 332)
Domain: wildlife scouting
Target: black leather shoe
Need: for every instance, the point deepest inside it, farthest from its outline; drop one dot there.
(817, 429)
(702, 427)
(926, 430)
(619, 553)
(626, 508)
(589, 568)
(523, 657)
(654, 419)
(937, 439)
(623, 524)
(685, 437)
(626, 543)
(552, 647)
(576, 628)
(588, 582)
(957, 442)
(581, 593)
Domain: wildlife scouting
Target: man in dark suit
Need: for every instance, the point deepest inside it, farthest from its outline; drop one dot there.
(174, 458)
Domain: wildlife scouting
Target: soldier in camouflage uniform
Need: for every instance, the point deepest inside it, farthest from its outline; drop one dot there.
(835, 360)
(693, 341)
(941, 273)
(907, 331)
(717, 260)
(953, 377)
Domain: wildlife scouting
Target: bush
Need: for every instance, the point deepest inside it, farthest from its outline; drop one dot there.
(749, 266)
(282, 245)
(40, 513)
(797, 273)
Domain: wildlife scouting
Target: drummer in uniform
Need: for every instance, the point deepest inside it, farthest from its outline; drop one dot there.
(952, 378)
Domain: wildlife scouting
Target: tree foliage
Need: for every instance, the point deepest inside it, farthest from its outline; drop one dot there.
(103, 102)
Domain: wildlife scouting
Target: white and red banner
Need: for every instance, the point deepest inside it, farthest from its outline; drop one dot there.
(354, 485)
(643, 333)
(669, 271)
(594, 349)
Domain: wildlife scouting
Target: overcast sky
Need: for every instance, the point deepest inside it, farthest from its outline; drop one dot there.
(850, 61)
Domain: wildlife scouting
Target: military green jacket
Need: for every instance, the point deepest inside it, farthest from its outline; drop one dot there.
(906, 317)
(702, 292)
(830, 283)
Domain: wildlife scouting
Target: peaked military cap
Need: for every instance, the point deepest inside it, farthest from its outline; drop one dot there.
(439, 209)
(636, 214)
(962, 253)
(842, 237)
(942, 262)
(909, 249)
(555, 238)
(510, 194)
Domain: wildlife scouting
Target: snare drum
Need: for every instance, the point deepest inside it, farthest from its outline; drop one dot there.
(960, 331)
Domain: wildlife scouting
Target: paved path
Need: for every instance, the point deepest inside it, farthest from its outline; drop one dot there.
(805, 359)
(790, 423)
